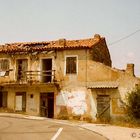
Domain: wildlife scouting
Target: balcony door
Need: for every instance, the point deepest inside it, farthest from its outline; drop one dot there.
(46, 70)
(22, 65)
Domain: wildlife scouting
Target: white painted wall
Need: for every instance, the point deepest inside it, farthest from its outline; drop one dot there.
(74, 99)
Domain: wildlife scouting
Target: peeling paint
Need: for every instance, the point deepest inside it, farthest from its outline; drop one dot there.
(75, 100)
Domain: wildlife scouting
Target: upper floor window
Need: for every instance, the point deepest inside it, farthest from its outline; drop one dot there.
(4, 64)
(71, 65)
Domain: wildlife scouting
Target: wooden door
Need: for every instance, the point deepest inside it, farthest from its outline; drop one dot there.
(103, 107)
(47, 105)
(43, 105)
(18, 106)
(20, 101)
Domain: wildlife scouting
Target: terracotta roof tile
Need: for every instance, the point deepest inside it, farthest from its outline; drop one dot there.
(103, 84)
(42, 46)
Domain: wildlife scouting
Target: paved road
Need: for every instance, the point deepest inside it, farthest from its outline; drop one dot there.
(23, 129)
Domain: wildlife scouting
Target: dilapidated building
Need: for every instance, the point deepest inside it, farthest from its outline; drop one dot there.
(70, 77)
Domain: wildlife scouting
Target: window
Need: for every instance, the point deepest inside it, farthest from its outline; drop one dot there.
(4, 65)
(71, 65)
(31, 95)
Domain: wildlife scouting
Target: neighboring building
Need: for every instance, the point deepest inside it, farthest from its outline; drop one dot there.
(63, 77)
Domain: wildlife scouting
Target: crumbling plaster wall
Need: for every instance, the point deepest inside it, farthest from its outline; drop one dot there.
(116, 107)
(12, 77)
(32, 104)
(75, 100)
(73, 86)
(73, 92)
(34, 64)
(87, 68)
(60, 63)
(100, 72)
(126, 83)
(114, 97)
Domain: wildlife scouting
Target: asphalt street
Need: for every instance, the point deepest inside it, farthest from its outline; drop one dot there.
(24, 129)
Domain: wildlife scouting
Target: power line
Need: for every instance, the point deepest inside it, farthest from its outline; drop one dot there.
(123, 38)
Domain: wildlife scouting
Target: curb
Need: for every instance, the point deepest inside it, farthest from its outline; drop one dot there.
(22, 116)
(94, 132)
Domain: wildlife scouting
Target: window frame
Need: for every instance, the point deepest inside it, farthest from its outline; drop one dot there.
(1, 65)
(65, 68)
(41, 67)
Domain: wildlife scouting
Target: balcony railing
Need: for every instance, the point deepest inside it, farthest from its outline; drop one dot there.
(37, 76)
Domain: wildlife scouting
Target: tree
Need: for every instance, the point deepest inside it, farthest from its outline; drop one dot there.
(133, 103)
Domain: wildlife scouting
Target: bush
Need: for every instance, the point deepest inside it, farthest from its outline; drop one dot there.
(133, 103)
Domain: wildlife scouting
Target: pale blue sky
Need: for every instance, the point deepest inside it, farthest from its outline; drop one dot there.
(40, 20)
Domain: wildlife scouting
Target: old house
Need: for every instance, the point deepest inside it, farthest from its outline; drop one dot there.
(70, 77)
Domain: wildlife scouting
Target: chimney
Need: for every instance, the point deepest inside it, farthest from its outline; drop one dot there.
(130, 69)
(62, 42)
(97, 37)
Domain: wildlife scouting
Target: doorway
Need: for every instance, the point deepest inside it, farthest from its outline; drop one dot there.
(22, 65)
(20, 104)
(103, 107)
(3, 99)
(46, 70)
(47, 104)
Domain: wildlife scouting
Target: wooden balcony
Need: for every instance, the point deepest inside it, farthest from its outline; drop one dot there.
(38, 76)
(41, 79)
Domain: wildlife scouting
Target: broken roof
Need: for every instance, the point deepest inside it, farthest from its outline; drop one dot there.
(50, 45)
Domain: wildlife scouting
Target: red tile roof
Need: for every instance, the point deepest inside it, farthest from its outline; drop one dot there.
(42, 46)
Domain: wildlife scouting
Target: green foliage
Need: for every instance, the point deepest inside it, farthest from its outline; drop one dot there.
(133, 103)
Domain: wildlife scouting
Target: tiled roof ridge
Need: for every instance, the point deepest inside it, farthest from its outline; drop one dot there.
(51, 41)
(57, 44)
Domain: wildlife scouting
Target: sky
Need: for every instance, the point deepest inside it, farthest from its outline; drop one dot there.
(44, 20)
